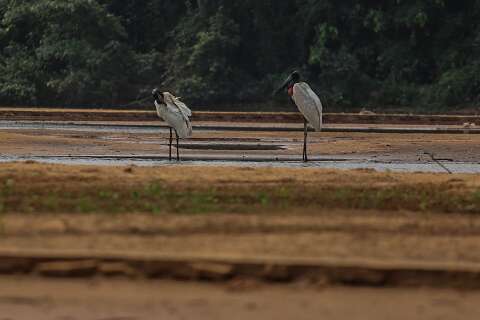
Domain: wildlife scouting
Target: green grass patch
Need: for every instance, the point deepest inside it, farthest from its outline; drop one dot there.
(159, 197)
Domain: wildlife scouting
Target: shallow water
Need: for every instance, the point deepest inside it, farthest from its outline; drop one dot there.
(395, 166)
(394, 162)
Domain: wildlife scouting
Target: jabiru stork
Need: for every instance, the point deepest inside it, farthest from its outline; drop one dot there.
(307, 102)
(176, 114)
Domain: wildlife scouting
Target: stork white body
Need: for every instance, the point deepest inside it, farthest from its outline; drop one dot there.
(309, 104)
(176, 114)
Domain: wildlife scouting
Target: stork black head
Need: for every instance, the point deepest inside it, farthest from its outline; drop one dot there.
(293, 78)
(157, 95)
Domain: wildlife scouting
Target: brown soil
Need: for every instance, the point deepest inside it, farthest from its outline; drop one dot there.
(385, 236)
(407, 147)
(258, 212)
(78, 177)
(26, 298)
(241, 211)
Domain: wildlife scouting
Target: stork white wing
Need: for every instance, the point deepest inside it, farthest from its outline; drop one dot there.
(309, 104)
(183, 107)
(175, 118)
(176, 105)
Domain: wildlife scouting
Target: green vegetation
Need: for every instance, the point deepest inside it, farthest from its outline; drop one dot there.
(217, 52)
(159, 197)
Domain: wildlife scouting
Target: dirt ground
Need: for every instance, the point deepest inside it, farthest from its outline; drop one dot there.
(337, 234)
(239, 212)
(217, 211)
(27, 298)
(386, 147)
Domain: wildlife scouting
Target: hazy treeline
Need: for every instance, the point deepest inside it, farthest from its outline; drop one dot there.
(223, 52)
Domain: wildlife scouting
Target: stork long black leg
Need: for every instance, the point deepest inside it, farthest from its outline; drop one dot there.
(170, 146)
(305, 133)
(178, 154)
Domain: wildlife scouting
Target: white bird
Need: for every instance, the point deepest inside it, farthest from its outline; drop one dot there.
(307, 102)
(176, 114)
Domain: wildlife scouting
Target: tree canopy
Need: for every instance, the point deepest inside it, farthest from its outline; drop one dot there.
(224, 53)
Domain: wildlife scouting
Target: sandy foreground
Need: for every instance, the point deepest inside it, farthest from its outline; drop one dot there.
(336, 234)
(241, 211)
(27, 298)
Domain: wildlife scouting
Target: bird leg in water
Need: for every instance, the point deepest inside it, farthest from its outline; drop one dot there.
(178, 154)
(170, 146)
(305, 132)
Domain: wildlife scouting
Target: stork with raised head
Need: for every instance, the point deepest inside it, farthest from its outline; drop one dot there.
(307, 102)
(176, 114)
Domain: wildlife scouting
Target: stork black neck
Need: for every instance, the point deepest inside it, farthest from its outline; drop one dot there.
(294, 79)
(290, 90)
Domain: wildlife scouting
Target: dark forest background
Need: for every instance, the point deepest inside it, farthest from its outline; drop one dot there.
(232, 54)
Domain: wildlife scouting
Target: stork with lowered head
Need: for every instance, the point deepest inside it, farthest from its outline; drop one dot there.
(307, 102)
(176, 114)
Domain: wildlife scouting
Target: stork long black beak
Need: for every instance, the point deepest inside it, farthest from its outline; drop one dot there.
(285, 84)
